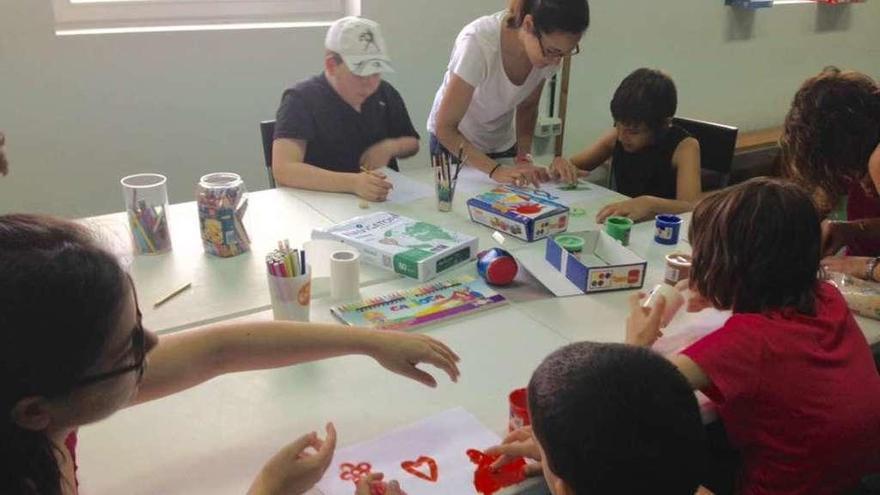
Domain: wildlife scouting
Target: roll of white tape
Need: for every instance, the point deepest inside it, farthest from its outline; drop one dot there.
(345, 274)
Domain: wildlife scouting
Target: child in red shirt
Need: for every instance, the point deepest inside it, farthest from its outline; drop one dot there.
(790, 372)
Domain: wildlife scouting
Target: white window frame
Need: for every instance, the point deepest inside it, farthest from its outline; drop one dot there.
(118, 16)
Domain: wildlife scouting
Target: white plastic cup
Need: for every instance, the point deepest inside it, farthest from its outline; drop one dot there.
(674, 301)
(291, 296)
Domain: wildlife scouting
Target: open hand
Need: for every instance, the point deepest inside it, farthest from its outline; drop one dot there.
(562, 170)
(401, 353)
(521, 175)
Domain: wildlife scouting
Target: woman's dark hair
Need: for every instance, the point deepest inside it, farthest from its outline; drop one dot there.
(646, 96)
(568, 16)
(60, 297)
(831, 130)
(756, 247)
(613, 418)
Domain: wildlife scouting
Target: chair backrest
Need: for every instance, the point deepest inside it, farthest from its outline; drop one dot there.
(717, 143)
(267, 130)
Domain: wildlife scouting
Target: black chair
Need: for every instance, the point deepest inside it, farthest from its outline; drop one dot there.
(267, 130)
(717, 143)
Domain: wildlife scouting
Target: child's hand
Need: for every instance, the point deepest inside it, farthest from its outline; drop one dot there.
(402, 352)
(373, 485)
(518, 443)
(378, 155)
(695, 302)
(372, 185)
(637, 209)
(563, 171)
(643, 324)
(857, 266)
(521, 175)
(293, 470)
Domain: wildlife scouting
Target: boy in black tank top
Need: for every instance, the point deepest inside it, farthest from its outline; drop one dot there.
(652, 161)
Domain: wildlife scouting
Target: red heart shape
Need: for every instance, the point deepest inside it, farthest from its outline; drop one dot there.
(412, 467)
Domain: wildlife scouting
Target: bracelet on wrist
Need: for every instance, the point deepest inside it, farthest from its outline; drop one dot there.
(494, 169)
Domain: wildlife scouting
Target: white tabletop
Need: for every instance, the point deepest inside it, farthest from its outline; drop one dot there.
(213, 438)
(221, 287)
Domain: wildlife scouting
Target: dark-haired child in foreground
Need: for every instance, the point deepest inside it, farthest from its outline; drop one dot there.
(611, 419)
(653, 161)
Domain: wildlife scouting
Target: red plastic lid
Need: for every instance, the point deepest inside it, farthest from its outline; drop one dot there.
(502, 271)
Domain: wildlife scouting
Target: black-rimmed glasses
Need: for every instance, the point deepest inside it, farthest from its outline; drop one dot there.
(138, 349)
(554, 54)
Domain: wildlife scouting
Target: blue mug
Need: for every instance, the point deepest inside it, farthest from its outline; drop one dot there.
(667, 229)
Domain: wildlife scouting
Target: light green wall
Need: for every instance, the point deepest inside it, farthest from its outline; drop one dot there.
(81, 112)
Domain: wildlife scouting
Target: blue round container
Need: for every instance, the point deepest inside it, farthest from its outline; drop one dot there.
(667, 229)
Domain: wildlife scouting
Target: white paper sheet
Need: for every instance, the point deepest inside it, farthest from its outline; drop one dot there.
(558, 191)
(445, 437)
(472, 181)
(406, 189)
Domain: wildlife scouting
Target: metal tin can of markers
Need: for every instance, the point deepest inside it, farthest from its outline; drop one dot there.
(667, 229)
(497, 266)
(678, 268)
(519, 409)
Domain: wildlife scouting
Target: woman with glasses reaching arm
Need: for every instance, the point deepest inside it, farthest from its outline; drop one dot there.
(488, 100)
(73, 351)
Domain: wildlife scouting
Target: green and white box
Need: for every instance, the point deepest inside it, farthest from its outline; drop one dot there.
(415, 249)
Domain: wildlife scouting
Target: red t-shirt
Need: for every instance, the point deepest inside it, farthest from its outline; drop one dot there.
(799, 397)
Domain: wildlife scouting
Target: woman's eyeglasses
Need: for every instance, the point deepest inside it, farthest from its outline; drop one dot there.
(553, 53)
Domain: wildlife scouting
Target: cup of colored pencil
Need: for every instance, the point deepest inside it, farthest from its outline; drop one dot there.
(290, 283)
(446, 169)
(146, 205)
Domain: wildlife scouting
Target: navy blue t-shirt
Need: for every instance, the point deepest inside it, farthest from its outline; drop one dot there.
(336, 133)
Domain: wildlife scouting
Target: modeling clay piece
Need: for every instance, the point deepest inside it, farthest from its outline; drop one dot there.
(487, 480)
(412, 467)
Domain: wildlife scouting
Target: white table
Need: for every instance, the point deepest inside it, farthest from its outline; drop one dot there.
(221, 287)
(213, 438)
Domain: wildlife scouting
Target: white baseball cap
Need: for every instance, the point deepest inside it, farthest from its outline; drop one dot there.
(360, 44)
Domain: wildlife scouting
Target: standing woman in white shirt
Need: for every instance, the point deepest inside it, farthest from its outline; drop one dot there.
(495, 76)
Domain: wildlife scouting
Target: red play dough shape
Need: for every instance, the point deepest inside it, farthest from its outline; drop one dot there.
(488, 481)
(412, 467)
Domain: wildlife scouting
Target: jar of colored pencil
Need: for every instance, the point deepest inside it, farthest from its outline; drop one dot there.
(146, 205)
(222, 202)
(446, 169)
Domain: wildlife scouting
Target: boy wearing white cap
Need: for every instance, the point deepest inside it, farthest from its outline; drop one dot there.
(334, 131)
